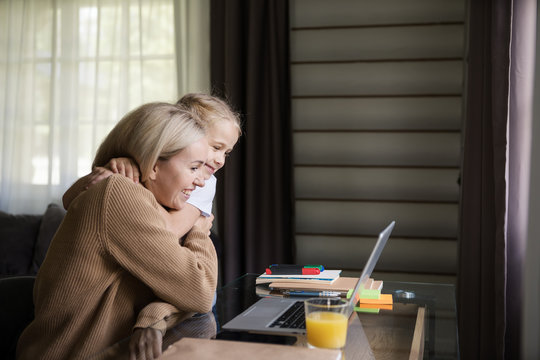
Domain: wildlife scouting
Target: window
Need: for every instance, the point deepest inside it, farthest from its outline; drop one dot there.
(69, 70)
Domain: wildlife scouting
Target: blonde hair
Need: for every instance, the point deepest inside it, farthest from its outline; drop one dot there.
(210, 109)
(150, 132)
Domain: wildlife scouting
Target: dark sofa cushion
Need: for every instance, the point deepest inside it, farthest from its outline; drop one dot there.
(18, 234)
(49, 224)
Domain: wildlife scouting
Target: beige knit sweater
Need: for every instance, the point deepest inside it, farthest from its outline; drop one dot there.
(111, 267)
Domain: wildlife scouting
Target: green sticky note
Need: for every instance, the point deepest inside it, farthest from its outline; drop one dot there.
(367, 310)
(370, 294)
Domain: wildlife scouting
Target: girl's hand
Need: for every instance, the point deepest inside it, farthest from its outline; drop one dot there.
(126, 167)
(123, 166)
(98, 173)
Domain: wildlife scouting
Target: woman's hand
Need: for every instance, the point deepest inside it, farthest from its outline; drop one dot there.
(204, 224)
(181, 221)
(145, 344)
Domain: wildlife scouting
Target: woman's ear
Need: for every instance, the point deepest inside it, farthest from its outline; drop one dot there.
(153, 173)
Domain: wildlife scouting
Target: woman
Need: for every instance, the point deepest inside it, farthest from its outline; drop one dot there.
(116, 258)
(222, 132)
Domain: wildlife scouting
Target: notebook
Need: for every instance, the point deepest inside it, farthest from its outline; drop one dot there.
(342, 285)
(202, 349)
(268, 314)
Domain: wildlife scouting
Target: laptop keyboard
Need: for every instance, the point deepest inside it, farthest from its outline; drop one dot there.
(293, 318)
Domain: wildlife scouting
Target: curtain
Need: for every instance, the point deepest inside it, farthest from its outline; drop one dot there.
(530, 328)
(192, 24)
(70, 69)
(250, 67)
(482, 248)
(519, 162)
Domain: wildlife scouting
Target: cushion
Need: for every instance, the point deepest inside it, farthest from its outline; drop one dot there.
(18, 234)
(52, 218)
(16, 311)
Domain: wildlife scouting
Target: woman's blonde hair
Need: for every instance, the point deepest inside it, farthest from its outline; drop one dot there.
(210, 109)
(150, 132)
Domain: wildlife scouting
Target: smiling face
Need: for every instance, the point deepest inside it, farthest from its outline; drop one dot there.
(172, 180)
(221, 136)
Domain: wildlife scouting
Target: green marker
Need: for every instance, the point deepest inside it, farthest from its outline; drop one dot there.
(320, 267)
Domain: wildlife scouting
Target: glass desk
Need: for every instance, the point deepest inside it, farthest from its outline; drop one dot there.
(421, 324)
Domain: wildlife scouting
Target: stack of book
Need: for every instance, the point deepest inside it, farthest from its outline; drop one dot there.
(315, 280)
(304, 280)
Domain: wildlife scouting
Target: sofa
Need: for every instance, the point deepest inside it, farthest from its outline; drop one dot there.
(24, 240)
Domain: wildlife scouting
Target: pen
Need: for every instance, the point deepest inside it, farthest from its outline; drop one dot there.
(320, 267)
(311, 293)
(292, 271)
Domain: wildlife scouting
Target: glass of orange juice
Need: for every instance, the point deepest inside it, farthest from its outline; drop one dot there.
(326, 322)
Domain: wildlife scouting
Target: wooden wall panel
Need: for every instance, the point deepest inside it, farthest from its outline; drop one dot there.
(367, 183)
(401, 255)
(414, 220)
(377, 148)
(325, 13)
(374, 43)
(377, 113)
(377, 92)
(377, 79)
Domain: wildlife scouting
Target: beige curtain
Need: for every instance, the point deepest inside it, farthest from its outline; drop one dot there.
(521, 188)
(192, 19)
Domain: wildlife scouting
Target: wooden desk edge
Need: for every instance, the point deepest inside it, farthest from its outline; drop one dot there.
(417, 345)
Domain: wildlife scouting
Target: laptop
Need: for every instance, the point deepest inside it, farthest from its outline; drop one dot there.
(286, 315)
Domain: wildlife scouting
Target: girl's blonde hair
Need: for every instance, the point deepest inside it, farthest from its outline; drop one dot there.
(150, 132)
(210, 109)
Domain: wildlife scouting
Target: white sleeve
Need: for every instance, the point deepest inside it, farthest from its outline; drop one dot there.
(202, 197)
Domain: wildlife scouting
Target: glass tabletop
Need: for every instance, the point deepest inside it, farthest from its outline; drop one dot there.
(382, 328)
(373, 334)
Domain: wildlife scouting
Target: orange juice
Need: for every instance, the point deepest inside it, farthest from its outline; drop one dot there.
(326, 329)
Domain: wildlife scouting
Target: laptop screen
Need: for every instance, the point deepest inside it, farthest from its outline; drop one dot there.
(370, 265)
